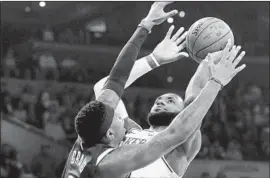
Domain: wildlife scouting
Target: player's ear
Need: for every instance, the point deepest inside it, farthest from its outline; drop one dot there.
(110, 134)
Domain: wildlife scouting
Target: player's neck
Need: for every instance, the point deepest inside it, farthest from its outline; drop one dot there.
(157, 128)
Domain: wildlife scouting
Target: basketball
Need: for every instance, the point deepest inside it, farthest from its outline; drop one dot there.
(207, 35)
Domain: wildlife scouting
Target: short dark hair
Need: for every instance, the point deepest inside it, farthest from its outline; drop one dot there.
(93, 121)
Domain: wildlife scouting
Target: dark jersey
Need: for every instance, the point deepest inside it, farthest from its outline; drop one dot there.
(81, 163)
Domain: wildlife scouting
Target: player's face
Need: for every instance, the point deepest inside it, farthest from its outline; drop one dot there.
(165, 108)
(170, 103)
(118, 128)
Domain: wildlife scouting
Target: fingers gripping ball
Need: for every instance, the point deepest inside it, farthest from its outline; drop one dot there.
(207, 35)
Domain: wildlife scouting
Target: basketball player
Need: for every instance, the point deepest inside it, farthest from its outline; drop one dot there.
(100, 129)
(97, 125)
(164, 110)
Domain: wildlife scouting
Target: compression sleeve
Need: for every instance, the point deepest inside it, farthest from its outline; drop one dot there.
(125, 61)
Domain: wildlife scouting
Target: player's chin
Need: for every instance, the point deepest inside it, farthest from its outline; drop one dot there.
(161, 118)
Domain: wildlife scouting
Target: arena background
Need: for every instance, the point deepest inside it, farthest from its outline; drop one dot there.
(59, 50)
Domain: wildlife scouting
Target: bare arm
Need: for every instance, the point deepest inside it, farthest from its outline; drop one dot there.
(137, 156)
(197, 82)
(180, 158)
(114, 86)
(193, 147)
(141, 67)
(184, 153)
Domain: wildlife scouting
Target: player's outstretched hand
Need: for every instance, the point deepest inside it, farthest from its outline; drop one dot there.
(227, 68)
(171, 47)
(157, 15)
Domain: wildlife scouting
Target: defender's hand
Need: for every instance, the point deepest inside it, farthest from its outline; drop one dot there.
(226, 69)
(157, 15)
(170, 49)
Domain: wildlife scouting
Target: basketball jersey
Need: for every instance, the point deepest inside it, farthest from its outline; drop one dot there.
(158, 169)
(81, 163)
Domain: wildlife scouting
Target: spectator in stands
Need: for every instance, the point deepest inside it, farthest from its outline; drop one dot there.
(14, 165)
(5, 151)
(7, 107)
(27, 95)
(216, 151)
(249, 151)
(205, 175)
(204, 151)
(48, 34)
(261, 115)
(52, 124)
(66, 68)
(218, 131)
(10, 68)
(253, 95)
(221, 174)
(265, 146)
(41, 109)
(48, 67)
(43, 165)
(20, 111)
(26, 172)
(233, 151)
(68, 126)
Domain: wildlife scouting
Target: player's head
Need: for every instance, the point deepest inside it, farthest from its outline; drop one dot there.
(97, 122)
(165, 108)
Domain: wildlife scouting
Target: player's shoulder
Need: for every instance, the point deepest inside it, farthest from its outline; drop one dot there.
(140, 132)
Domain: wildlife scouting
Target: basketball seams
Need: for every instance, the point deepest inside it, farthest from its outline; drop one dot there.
(202, 31)
(188, 39)
(189, 36)
(212, 43)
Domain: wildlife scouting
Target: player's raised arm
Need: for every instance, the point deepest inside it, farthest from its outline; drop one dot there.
(137, 156)
(221, 73)
(167, 51)
(186, 152)
(114, 86)
(200, 78)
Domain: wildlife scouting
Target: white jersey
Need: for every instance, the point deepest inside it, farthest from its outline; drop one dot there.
(158, 169)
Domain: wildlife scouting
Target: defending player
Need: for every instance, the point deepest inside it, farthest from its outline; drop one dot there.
(165, 109)
(97, 125)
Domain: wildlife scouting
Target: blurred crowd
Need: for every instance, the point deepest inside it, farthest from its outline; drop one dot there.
(43, 67)
(42, 165)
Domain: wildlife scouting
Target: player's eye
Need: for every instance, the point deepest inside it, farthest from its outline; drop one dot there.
(170, 101)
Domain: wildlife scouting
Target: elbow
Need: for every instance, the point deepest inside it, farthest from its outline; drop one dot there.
(99, 85)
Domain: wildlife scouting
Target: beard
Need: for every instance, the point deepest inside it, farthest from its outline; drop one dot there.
(161, 118)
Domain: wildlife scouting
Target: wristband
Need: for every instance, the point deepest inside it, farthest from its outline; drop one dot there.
(154, 59)
(150, 61)
(217, 81)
